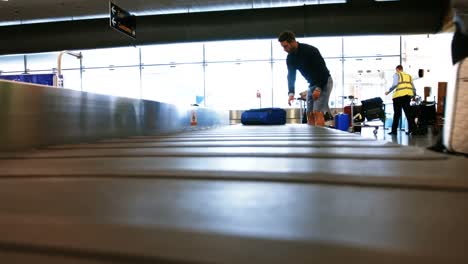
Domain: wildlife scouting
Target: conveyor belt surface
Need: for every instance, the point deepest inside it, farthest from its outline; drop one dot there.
(234, 194)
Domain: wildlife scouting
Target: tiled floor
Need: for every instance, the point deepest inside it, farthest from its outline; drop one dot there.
(427, 140)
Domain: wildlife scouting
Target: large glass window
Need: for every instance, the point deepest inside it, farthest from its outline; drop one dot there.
(72, 79)
(431, 53)
(328, 46)
(172, 53)
(277, 51)
(49, 61)
(123, 81)
(227, 74)
(42, 62)
(127, 56)
(180, 84)
(280, 84)
(335, 66)
(238, 50)
(371, 46)
(235, 85)
(369, 77)
(11, 63)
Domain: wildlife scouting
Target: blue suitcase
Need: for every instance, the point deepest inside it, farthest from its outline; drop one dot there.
(342, 122)
(264, 116)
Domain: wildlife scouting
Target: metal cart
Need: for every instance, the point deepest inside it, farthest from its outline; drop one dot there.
(368, 114)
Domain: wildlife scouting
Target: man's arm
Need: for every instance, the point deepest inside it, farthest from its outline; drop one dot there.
(414, 87)
(395, 83)
(291, 81)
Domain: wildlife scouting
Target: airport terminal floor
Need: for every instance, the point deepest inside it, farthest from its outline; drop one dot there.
(234, 194)
(424, 141)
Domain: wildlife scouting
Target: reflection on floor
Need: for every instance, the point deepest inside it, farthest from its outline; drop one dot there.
(427, 140)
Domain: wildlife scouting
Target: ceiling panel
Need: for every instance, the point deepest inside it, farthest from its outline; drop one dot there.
(23, 11)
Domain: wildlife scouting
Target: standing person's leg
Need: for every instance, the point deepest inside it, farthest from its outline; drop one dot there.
(319, 117)
(329, 91)
(321, 104)
(310, 107)
(396, 115)
(406, 101)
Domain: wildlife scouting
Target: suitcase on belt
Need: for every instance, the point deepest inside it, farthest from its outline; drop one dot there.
(264, 116)
(455, 137)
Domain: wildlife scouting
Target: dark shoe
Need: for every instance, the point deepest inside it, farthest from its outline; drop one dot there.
(393, 133)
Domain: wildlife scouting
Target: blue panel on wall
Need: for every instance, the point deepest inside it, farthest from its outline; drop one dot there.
(44, 79)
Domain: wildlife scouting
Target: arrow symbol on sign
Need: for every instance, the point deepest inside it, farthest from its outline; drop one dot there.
(113, 9)
(113, 21)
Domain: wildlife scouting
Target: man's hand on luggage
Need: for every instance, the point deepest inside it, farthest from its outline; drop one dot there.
(290, 99)
(316, 94)
(303, 95)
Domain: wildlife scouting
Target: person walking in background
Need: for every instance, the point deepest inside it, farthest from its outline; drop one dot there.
(310, 63)
(404, 90)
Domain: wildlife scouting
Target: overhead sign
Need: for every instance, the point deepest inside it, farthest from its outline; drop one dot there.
(122, 20)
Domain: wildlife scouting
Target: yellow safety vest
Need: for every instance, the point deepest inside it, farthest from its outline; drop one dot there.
(405, 85)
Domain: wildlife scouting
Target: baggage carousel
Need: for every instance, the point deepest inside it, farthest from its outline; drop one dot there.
(234, 194)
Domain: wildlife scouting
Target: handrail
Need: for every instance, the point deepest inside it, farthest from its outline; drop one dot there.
(58, 80)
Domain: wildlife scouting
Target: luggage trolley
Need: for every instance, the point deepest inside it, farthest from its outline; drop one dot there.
(424, 114)
(370, 110)
(302, 99)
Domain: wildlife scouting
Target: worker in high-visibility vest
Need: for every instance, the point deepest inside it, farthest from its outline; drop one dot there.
(403, 90)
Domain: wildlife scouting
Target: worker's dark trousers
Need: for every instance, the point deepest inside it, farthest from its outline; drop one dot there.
(399, 103)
